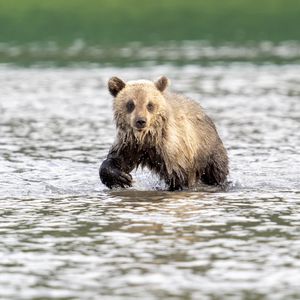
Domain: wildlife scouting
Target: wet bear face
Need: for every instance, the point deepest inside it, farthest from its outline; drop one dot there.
(138, 105)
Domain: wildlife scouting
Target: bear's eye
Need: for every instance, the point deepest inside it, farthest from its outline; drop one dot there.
(130, 106)
(150, 107)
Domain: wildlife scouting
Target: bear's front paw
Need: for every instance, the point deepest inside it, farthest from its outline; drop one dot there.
(113, 177)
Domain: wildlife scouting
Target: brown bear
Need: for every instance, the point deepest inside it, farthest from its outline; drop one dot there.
(166, 132)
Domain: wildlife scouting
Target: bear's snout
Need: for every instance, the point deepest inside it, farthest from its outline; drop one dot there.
(140, 122)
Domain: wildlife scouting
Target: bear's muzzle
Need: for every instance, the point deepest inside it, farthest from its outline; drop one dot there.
(140, 122)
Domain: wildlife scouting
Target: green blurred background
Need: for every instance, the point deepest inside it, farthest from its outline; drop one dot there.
(108, 23)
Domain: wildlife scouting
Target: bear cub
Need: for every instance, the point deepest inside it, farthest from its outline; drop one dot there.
(165, 132)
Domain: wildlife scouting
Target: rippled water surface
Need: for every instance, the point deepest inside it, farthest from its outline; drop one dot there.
(65, 236)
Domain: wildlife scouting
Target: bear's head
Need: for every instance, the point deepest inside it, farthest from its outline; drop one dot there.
(139, 106)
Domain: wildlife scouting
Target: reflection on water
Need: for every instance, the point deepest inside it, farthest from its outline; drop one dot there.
(65, 236)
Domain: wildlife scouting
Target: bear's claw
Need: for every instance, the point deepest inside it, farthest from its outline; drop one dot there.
(113, 177)
(125, 180)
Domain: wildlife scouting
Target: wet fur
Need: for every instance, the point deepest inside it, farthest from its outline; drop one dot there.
(180, 143)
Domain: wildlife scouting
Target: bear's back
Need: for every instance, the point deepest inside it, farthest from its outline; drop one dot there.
(181, 104)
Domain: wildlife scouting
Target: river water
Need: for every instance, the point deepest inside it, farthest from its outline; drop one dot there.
(66, 236)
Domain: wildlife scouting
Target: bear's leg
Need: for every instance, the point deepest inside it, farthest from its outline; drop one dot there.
(174, 184)
(216, 171)
(112, 175)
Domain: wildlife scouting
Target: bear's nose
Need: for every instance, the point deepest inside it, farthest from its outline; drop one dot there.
(140, 122)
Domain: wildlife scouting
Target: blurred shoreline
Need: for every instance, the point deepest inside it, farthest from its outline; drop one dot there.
(135, 53)
(122, 33)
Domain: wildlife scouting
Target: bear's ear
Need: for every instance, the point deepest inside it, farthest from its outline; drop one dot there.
(162, 83)
(115, 85)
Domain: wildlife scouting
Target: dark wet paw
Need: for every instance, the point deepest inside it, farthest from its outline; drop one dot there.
(113, 177)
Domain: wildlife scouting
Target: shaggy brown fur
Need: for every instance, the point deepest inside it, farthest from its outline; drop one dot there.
(168, 133)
